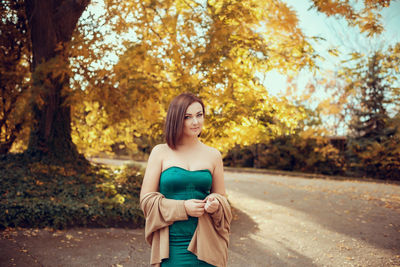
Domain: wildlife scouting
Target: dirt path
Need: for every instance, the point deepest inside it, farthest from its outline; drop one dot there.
(287, 221)
(279, 221)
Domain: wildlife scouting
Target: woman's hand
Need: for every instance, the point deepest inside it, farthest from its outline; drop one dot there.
(194, 207)
(211, 205)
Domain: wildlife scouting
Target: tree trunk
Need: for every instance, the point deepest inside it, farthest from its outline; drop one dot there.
(52, 23)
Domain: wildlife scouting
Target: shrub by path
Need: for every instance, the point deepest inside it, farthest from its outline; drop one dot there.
(278, 221)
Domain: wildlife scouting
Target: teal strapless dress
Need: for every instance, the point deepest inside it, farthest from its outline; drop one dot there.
(181, 184)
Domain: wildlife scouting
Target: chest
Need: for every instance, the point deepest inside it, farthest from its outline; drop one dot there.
(191, 161)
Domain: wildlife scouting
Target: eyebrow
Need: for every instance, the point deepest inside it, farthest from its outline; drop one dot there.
(196, 113)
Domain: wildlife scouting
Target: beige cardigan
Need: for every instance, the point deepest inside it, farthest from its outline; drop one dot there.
(210, 240)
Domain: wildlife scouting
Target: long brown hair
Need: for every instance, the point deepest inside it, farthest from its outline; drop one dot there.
(176, 115)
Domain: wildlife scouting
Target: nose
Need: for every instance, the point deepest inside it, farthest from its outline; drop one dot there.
(195, 120)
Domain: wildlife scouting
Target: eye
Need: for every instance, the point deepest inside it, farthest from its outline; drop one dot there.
(187, 117)
(199, 115)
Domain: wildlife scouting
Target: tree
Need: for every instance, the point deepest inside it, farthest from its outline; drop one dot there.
(218, 50)
(366, 17)
(220, 47)
(14, 69)
(51, 25)
(373, 148)
(370, 119)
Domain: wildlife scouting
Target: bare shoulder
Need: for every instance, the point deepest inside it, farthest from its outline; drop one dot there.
(158, 152)
(213, 152)
(160, 149)
(218, 185)
(153, 170)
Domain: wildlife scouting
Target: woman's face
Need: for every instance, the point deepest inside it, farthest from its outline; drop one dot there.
(193, 120)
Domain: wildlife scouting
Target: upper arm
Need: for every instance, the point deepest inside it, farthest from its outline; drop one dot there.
(218, 185)
(153, 170)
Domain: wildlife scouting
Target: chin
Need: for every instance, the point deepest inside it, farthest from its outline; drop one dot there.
(193, 133)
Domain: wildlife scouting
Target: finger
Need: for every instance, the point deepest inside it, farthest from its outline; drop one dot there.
(210, 199)
(214, 206)
(199, 200)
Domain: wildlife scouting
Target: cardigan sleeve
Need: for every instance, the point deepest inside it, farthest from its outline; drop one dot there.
(222, 217)
(160, 212)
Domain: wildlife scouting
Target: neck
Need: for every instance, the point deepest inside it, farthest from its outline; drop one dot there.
(188, 142)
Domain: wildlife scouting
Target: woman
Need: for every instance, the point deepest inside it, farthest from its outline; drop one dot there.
(182, 195)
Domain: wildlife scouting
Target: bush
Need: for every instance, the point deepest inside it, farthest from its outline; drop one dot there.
(35, 194)
(313, 154)
(371, 158)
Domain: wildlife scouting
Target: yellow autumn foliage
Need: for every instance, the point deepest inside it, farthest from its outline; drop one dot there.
(216, 50)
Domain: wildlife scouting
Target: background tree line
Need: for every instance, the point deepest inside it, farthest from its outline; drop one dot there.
(366, 102)
(62, 96)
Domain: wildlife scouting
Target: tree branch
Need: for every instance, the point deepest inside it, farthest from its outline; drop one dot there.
(66, 17)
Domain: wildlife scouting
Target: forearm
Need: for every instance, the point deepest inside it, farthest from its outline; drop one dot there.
(173, 210)
(160, 211)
